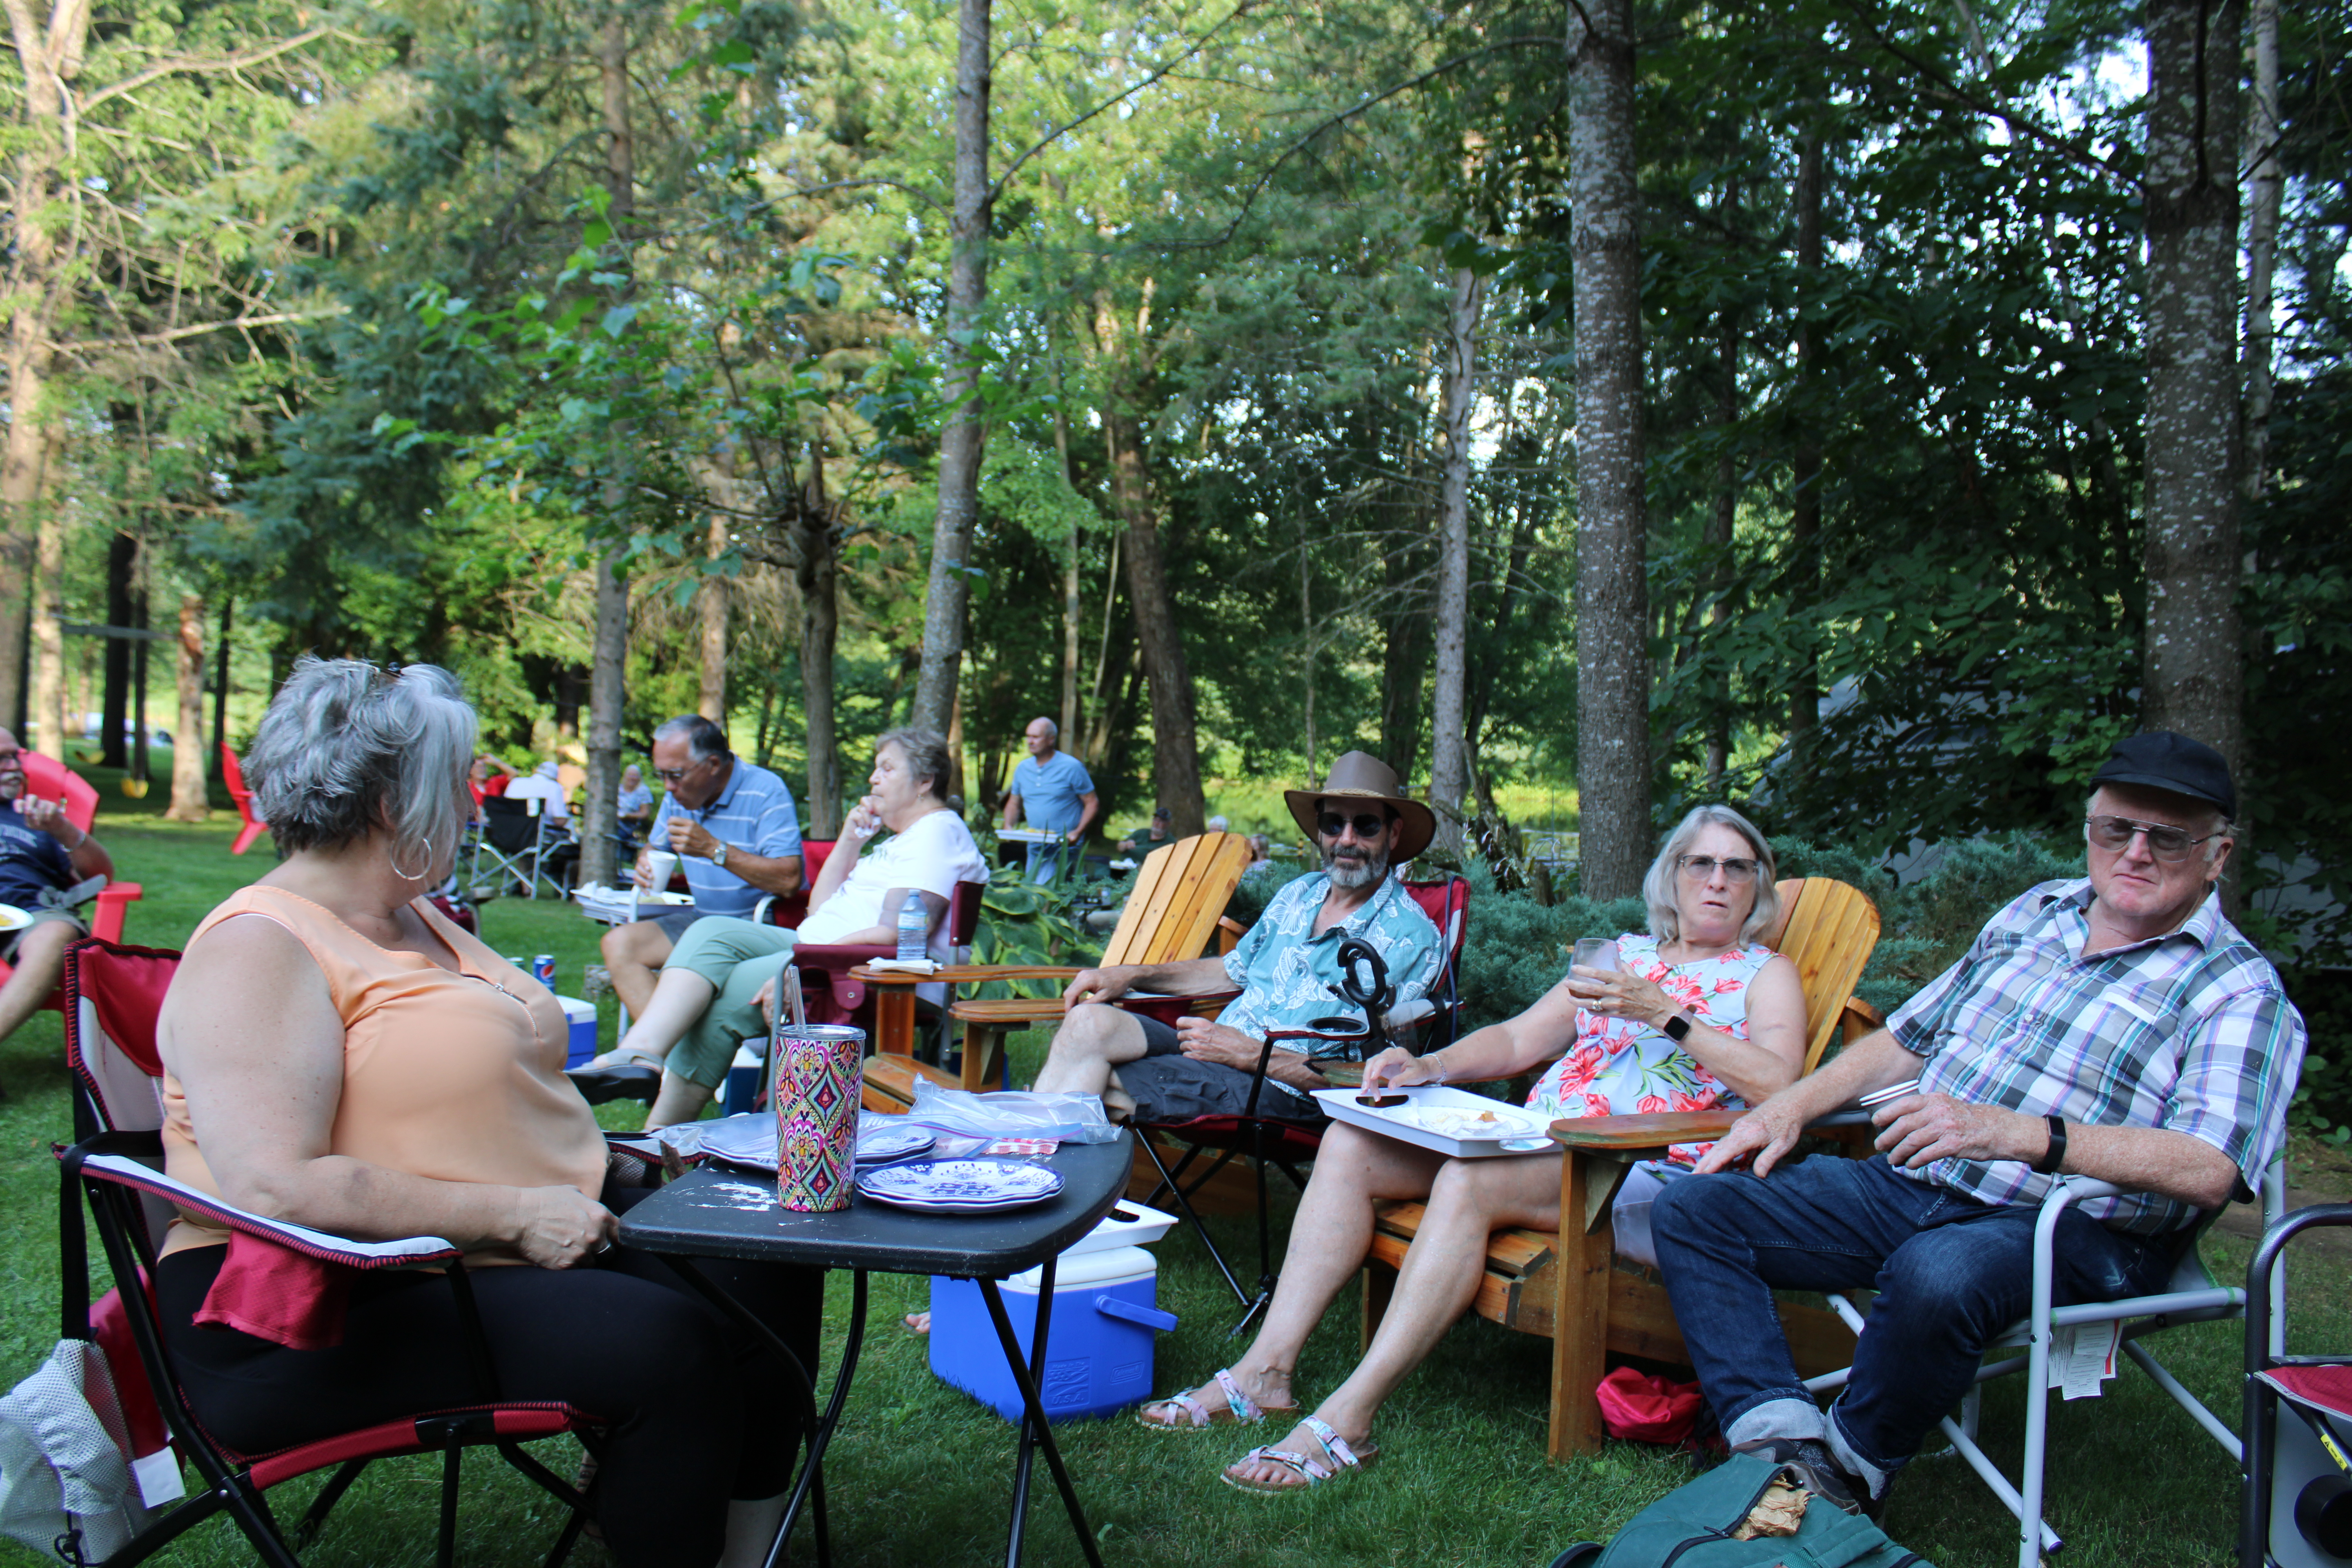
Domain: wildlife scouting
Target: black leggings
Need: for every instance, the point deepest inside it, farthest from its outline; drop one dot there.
(697, 1414)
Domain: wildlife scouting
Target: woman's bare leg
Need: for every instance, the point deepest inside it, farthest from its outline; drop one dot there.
(680, 997)
(1328, 1240)
(1468, 1200)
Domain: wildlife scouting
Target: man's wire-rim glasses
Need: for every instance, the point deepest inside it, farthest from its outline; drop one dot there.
(2165, 841)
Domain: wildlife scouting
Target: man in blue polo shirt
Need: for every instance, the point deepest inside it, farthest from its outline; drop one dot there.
(1057, 794)
(736, 833)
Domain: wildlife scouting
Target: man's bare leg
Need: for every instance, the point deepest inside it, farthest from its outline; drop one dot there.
(40, 961)
(1094, 1038)
(1468, 1200)
(1330, 1237)
(633, 956)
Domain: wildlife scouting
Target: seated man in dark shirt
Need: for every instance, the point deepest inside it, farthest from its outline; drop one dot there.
(42, 854)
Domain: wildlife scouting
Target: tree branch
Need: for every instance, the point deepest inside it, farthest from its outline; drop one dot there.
(235, 323)
(203, 65)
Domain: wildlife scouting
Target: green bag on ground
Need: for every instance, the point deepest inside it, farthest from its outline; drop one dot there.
(1691, 1527)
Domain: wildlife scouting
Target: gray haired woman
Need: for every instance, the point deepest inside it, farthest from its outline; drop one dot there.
(337, 1055)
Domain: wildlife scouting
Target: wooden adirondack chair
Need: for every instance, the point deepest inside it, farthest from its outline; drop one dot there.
(1568, 1285)
(1173, 913)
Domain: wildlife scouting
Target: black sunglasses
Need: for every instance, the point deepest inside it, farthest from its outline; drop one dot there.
(1332, 824)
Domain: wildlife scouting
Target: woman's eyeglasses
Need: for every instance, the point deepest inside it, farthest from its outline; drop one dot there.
(1368, 825)
(2165, 841)
(1699, 867)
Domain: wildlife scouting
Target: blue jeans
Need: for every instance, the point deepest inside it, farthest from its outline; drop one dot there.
(1951, 1272)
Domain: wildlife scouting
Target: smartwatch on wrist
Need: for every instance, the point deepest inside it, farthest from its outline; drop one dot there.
(2055, 1155)
(1676, 1029)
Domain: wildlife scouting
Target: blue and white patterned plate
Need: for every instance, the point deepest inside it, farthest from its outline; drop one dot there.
(877, 1144)
(750, 1140)
(960, 1186)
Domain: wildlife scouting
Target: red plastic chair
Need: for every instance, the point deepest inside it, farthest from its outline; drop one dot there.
(117, 1163)
(232, 775)
(46, 778)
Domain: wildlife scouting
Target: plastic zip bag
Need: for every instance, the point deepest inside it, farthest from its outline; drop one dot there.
(1069, 1118)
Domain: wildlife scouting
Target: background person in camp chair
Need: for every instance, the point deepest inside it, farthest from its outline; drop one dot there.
(1697, 1015)
(738, 837)
(42, 854)
(2116, 1027)
(1285, 966)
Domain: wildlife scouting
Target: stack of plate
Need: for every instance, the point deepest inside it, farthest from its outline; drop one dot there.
(750, 1139)
(960, 1186)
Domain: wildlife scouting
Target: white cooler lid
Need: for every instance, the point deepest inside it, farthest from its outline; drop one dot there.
(575, 1011)
(1148, 1227)
(1116, 1266)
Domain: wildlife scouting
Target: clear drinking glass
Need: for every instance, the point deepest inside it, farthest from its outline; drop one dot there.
(1596, 952)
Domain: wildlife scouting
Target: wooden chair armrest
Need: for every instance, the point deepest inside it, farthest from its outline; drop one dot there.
(1634, 1134)
(1230, 932)
(1858, 1019)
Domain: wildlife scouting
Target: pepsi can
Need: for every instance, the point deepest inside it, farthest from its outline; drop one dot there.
(543, 969)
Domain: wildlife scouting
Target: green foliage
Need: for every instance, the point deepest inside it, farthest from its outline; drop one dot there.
(1515, 948)
(1022, 921)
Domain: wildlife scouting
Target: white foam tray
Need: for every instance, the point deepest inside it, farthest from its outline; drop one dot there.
(1340, 1105)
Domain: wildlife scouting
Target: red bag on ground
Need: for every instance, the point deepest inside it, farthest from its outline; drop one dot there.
(1647, 1409)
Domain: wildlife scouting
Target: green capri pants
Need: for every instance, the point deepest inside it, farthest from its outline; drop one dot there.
(737, 957)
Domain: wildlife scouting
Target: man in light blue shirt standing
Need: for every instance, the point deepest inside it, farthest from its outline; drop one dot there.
(1058, 795)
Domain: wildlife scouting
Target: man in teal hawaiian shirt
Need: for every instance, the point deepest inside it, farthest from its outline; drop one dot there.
(1287, 966)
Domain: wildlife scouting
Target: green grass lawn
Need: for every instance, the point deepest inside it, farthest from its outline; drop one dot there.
(919, 1473)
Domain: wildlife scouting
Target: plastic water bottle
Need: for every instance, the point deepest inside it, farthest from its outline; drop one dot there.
(913, 927)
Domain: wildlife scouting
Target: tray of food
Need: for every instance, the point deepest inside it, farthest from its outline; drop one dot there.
(1451, 1121)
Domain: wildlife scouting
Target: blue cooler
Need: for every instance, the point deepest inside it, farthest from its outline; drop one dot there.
(1098, 1344)
(580, 1016)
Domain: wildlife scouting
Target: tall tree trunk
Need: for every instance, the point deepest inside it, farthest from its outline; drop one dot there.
(608, 655)
(1074, 604)
(122, 555)
(2265, 183)
(1307, 649)
(52, 696)
(220, 685)
(1718, 540)
(816, 571)
(36, 286)
(2192, 681)
(139, 771)
(712, 703)
(1103, 691)
(188, 802)
(965, 435)
(1805, 511)
(1611, 591)
(1448, 769)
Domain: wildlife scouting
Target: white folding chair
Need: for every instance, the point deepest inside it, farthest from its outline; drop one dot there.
(2193, 1295)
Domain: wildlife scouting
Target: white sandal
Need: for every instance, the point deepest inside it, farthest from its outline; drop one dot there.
(1313, 1471)
(1240, 1409)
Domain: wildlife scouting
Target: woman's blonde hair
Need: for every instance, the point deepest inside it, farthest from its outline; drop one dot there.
(1658, 885)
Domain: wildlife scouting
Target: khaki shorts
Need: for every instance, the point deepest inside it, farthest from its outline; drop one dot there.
(42, 915)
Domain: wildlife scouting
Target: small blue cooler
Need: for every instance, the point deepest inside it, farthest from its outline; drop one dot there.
(581, 1018)
(1098, 1344)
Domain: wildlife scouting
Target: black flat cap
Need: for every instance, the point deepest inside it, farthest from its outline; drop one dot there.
(2162, 760)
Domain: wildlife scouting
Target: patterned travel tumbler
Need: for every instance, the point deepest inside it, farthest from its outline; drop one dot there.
(819, 1075)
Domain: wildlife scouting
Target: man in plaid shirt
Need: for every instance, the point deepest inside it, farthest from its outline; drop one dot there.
(2116, 1027)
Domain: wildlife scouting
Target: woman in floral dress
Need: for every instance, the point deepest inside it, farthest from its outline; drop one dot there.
(1697, 1015)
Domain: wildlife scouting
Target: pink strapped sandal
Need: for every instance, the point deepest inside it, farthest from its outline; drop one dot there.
(1240, 1409)
(1311, 1472)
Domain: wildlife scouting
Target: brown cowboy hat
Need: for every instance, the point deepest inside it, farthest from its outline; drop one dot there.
(1359, 775)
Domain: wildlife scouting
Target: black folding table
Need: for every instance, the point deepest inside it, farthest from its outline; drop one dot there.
(717, 1213)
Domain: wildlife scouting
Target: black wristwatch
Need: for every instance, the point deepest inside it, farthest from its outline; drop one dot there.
(2055, 1155)
(1676, 1029)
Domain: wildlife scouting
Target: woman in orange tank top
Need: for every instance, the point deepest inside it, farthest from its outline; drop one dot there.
(337, 1055)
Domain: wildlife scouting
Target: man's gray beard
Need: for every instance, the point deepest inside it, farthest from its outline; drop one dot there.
(1371, 874)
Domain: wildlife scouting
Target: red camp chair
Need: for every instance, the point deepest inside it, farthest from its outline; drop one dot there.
(232, 775)
(833, 997)
(46, 778)
(788, 910)
(118, 1164)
